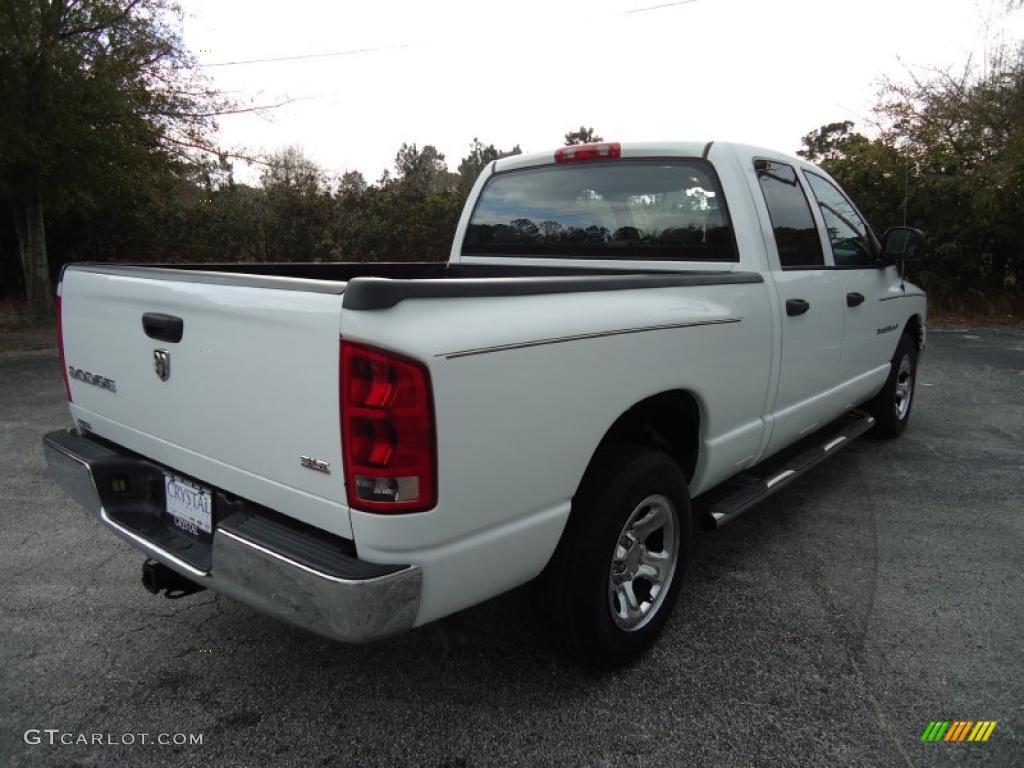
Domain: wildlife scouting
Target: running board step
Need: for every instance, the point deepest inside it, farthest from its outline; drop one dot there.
(734, 497)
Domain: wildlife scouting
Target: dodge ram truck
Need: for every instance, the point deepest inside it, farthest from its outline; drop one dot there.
(627, 340)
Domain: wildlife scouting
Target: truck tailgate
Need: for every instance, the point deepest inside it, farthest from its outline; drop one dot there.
(252, 384)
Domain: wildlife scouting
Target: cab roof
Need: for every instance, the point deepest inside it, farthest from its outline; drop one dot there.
(650, 149)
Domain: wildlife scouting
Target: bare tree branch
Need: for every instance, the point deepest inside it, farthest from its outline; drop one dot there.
(102, 25)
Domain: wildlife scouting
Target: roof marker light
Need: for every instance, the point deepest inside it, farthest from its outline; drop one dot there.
(576, 153)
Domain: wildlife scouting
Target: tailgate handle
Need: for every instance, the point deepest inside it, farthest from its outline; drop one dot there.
(163, 327)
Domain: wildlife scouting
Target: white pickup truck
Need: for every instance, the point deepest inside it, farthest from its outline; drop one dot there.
(626, 339)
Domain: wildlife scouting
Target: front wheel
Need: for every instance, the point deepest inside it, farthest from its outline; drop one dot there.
(891, 406)
(615, 575)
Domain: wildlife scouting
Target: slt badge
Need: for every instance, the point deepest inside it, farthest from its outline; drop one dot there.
(162, 363)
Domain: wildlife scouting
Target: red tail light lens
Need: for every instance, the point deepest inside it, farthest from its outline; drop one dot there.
(582, 152)
(387, 431)
(60, 346)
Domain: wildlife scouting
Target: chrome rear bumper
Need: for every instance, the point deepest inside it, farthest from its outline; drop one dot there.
(361, 605)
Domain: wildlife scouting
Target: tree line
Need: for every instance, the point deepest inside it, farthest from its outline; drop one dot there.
(948, 158)
(297, 212)
(108, 153)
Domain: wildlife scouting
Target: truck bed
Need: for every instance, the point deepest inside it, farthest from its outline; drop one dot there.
(253, 380)
(380, 285)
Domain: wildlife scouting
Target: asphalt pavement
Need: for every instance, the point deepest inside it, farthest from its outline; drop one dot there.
(826, 627)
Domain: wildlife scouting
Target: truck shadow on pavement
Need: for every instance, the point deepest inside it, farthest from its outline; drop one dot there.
(764, 617)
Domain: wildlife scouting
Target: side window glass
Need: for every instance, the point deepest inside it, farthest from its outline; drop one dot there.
(796, 236)
(851, 244)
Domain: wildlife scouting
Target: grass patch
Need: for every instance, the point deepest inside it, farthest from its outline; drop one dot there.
(1007, 310)
(19, 332)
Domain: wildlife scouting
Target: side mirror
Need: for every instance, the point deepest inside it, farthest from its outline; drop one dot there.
(902, 244)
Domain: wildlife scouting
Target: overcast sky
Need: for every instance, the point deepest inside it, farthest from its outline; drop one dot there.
(526, 71)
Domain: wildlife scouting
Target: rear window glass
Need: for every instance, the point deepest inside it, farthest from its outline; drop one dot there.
(616, 209)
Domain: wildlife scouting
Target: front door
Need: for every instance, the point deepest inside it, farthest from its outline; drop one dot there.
(869, 333)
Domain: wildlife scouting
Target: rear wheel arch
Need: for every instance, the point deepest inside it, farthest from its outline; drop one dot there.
(669, 421)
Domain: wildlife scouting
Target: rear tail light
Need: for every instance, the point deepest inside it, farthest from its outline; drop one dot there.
(582, 152)
(387, 431)
(60, 346)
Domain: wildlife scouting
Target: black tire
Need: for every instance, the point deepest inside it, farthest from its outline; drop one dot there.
(890, 417)
(575, 592)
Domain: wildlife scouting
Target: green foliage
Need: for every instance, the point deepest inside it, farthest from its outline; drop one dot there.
(423, 169)
(99, 96)
(299, 212)
(582, 136)
(829, 142)
(101, 107)
(950, 160)
(296, 209)
(873, 172)
(478, 158)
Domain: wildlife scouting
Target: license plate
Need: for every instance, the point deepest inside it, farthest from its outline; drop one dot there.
(189, 505)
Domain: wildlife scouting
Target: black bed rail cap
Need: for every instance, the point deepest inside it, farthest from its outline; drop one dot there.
(369, 293)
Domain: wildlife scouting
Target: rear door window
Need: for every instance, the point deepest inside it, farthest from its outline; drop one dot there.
(796, 236)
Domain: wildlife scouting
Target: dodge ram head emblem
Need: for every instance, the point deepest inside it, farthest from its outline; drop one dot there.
(162, 363)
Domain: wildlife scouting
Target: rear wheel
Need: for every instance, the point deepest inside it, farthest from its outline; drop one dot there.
(615, 575)
(891, 406)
